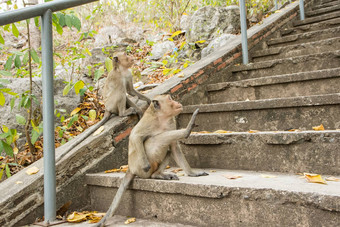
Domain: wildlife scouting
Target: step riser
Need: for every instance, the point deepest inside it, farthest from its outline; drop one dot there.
(290, 65)
(270, 119)
(304, 38)
(311, 27)
(316, 19)
(237, 207)
(294, 89)
(323, 11)
(282, 152)
(328, 4)
(302, 49)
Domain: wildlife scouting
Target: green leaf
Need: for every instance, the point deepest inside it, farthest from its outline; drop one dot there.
(20, 119)
(92, 114)
(88, 52)
(1, 171)
(5, 73)
(7, 148)
(17, 61)
(108, 64)
(8, 171)
(82, 91)
(68, 21)
(98, 73)
(4, 81)
(15, 30)
(79, 85)
(3, 42)
(36, 21)
(25, 58)
(35, 56)
(73, 119)
(2, 99)
(12, 102)
(85, 117)
(9, 62)
(67, 89)
(34, 136)
(76, 22)
(59, 29)
(62, 20)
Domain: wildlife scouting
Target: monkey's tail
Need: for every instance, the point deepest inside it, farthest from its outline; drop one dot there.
(84, 135)
(118, 197)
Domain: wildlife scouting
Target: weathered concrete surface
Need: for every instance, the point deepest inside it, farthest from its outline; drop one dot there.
(215, 200)
(316, 19)
(323, 10)
(324, 4)
(267, 115)
(288, 85)
(290, 152)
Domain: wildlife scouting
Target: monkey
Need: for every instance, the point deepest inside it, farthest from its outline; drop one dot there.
(150, 139)
(117, 85)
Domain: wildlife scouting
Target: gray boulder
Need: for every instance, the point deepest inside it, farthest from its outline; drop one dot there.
(159, 49)
(209, 22)
(216, 44)
(109, 35)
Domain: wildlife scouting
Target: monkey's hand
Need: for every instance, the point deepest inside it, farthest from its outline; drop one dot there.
(198, 174)
(191, 124)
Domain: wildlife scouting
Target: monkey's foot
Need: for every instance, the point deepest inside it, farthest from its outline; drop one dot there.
(165, 176)
(198, 174)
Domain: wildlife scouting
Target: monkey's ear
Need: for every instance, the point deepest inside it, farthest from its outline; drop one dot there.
(115, 59)
(156, 104)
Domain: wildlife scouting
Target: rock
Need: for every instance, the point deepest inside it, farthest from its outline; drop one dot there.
(159, 49)
(185, 23)
(109, 35)
(216, 44)
(209, 22)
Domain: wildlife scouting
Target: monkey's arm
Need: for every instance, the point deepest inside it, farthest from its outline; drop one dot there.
(133, 92)
(118, 197)
(133, 105)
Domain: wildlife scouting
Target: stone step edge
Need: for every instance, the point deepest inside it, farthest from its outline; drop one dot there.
(295, 37)
(279, 50)
(316, 19)
(275, 103)
(325, 4)
(327, 9)
(217, 186)
(277, 79)
(272, 63)
(269, 137)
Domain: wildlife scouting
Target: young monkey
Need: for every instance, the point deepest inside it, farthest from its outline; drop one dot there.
(118, 83)
(148, 147)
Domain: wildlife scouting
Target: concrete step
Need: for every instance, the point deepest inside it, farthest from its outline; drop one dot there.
(304, 63)
(305, 37)
(325, 4)
(302, 112)
(215, 200)
(287, 85)
(273, 151)
(322, 11)
(311, 27)
(316, 19)
(294, 50)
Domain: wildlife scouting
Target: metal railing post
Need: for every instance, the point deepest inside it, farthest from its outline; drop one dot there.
(244, 31)
(302, 10)
(48, 117)
(276, 5)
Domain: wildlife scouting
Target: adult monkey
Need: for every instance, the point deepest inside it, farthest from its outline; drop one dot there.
(149, 142)
(118, 83)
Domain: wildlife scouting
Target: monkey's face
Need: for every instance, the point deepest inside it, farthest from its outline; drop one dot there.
(166, 106)
(126, 61)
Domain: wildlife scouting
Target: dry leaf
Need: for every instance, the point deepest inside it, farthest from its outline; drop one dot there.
(32, 170)
(181, 75)
(222, 131)
(231, 177)
(176, 170)
(212, 171)
(253, 131)
(268, 176)
(314, 178)
(76, 217)
(18, 182)
(130, 220)
(319, 128)
(294, 130)
(202, 132)
(332, 179)
(76, 110)
(121, 169)
(167, 167)
(180, 174)
(99, 130)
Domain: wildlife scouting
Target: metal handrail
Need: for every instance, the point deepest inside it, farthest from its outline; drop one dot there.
(45, 11)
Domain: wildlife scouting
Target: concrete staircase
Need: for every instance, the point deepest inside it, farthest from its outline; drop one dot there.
(292, 85)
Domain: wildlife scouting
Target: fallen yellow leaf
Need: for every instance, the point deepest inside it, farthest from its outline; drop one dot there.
(222, 131)
(319, 128)
(76, 110)
(181, 75)
(268, 176)
(167, 167)
(314, 178)
(180, 174)
(253, 131)
(332, 179)
(32, 170)
(99, 130)
(212, 171)
(176, 170)
(130, 220)
(294, 130)
(76, 217)
(121, 169)
(230, 177)
(18, 182)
